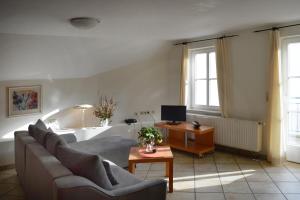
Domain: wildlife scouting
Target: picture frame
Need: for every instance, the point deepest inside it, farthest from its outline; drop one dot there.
(24, 100)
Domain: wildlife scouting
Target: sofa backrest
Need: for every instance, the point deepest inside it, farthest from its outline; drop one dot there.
(42, 169)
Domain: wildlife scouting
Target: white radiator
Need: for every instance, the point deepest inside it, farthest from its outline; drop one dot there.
(237, 133)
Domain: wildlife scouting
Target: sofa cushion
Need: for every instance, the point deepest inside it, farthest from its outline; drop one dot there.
(113, 148)
(84, 164)
(38, 134)
(53, 141)
(41, 125)
(109, 172)
(39, 131)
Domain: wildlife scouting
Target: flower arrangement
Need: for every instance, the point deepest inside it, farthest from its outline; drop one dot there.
(104, 110)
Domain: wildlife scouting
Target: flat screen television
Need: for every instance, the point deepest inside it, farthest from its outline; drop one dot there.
(174, 114)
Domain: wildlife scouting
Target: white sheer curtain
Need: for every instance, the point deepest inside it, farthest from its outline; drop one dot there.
(183, 75)
(273, 126)
(223, 75)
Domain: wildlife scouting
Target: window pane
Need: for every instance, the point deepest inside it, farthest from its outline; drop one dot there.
(213, 93)
(200, 65)
(294, 59)
(293, 84)
(200, 92)
(212, 65)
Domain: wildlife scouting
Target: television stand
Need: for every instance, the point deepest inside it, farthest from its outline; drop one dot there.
(173, 123)
(176, 136)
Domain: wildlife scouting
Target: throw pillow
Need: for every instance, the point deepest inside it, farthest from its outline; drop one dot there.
(41, 125)
(53, 141)
(84, 164)
(109, 172)
(38, 134)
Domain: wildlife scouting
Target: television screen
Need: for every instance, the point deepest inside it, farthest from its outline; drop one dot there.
(173, 113)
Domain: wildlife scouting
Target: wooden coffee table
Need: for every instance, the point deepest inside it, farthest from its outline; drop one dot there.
(162, 154)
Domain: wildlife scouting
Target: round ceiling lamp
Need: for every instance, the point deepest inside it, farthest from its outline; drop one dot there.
(84, 22)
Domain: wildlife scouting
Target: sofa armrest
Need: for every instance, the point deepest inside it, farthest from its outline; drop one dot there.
(78, 188)
(69, 137)
(20, 132)
(146, 190)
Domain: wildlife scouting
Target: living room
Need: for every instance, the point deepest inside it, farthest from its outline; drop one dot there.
(142, 54)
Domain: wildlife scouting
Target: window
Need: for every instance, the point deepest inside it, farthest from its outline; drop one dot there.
(202, 85)
(291, 82)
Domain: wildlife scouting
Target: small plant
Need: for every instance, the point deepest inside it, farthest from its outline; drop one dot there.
(148, 135)
(104, 110)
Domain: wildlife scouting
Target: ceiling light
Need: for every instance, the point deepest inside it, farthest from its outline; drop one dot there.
(84, 22)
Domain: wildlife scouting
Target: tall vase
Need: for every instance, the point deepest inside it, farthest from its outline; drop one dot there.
(104, 122)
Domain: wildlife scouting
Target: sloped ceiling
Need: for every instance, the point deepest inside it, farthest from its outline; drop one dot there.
(38, 42)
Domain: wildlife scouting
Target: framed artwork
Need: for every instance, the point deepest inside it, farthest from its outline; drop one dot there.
(24, 100)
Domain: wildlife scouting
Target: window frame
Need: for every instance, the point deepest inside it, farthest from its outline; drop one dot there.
(192, 80)
(285, 76)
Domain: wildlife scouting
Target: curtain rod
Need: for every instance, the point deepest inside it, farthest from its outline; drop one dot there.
(224, 36)
(275, 28)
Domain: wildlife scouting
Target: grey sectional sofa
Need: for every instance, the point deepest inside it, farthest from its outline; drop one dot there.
(44, 176)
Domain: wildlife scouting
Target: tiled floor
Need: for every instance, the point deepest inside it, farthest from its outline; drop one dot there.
(218, 176)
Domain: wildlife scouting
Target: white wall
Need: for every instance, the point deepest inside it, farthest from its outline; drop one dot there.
(139, 86)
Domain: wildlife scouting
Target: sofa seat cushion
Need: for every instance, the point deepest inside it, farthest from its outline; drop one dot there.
(113, 148)
(83, 164)
(53, 141)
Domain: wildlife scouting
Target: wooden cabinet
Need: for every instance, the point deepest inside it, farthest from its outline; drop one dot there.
(184, 137)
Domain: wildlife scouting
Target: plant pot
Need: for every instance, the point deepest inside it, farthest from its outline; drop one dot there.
(104, 122)
(150, 147)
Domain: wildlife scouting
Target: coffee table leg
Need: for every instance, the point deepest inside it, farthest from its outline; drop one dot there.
(170, 169)
(167, 169)
(131, 167)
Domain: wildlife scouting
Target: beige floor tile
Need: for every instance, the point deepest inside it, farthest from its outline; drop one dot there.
(18, 191)
(225, 160)
(234, 196)
(180, 196)
(8, 197)
(263, 187)
(208, 185)
(5, 187)
(5, 176)
(183, 174)
(297, 175)
(292, 196)
(269, 197)
(227, 167)
(293, 167)
(206, 167)
(141, 174)
(231, 176)
(283, 176)
(185, 160)
(257, 177)
(244, 160)
(210, 196)
(209, 159)
(186, 185)
(206, 175)
(183, 167)
(158, 166)
(156, 173)
(275, 169)
(251, 167)
(236, 187)
(143, 166)
(289, 187)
